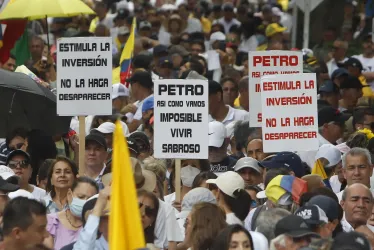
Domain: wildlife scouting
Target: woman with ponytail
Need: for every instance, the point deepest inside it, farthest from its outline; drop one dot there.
(232, 197)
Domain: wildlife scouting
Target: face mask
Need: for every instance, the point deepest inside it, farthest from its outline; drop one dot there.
(76, 207)
(188, 174)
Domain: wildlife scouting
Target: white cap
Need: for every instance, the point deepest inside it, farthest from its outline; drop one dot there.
(6, 172)
(21, 193)
(217, 36)
(118, 90)
(123, 30)
(217, 134)
(228, 182)
(248, 162)
(330, 153)
(109, 127)
(276, 11)
(193, 197)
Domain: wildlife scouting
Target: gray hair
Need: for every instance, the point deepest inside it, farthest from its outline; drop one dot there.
(267, 220)
(357, 152)
(346, 190)
(281, 240)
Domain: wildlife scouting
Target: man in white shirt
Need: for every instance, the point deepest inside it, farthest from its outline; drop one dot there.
(228, 20)
(357, 203)
(218, 110)
(141, 84)
(367, 59)
(339, 50)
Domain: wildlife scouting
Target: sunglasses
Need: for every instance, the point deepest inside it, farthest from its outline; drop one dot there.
(148, 210)
(22, 164)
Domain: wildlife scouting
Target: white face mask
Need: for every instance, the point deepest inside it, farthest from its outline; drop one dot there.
(188, 174)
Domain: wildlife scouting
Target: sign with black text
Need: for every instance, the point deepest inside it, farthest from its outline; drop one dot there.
(289, 111)
(261, 63)
(181, 119)
(84, 76)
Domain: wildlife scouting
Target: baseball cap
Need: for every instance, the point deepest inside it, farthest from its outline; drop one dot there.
(351, 82)
(160, 49)
(17, 152)
(118, 90)
(273, 29)
(330, 153)
(7, 187)
(330, 114)
(144, 78)
(98, 138)
(165, 61)
(6, 172)
(353, 62)
(289, 160)
(145, 25)
(121, 14)
(351, 241)
(142, 60)
(294, 226)
(133, 147)
(109, 127)
(21, 193)
(313, 215)
(123, 30)
(193, 197)
(329, 87)
(214, 87)
(248, 162)
(217, 36)
(217, 134)
(228, 7)
(339, 72)
(228, 182)
(148, 103)
(178, 49)
(327, 204)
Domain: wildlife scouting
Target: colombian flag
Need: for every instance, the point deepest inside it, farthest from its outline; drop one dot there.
(125, 227)
(283, 184)
(320, 170)
(127, 53)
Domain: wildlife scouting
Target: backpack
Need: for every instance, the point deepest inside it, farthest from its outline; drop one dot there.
(257, 212)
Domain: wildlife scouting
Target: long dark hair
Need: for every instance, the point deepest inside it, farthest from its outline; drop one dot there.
(149, 232)
(50, 188)
(222, 242)
(240, 205)
(40, 146)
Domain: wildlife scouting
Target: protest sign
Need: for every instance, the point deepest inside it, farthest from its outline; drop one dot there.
(289, 111)
(84, 76)
(181, 119)
(268, 63)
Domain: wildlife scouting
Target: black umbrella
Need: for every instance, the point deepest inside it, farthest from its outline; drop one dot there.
(26, 103)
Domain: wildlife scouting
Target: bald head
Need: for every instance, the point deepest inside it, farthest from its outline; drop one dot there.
(356, 188)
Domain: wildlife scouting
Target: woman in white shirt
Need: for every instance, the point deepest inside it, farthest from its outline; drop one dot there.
(232, 197)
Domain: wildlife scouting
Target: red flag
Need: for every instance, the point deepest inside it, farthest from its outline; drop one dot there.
(14, 30)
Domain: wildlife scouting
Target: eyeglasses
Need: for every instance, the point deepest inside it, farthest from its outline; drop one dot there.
(22, 164)
(148, 210)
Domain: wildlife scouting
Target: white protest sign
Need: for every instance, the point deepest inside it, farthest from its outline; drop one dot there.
(181, 119)
(84, 76)
(268, 63)
(289, 112)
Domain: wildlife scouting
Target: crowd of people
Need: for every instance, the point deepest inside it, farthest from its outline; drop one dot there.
(241, 197)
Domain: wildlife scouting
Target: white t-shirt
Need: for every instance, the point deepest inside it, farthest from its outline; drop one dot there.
(38, 193)
(228, 25)
(249, 44)
(335, 183)
(231, 219)
(368, 65)
(233, 115)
